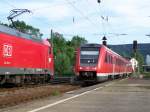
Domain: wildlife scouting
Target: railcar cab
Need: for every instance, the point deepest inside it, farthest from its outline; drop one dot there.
(88, 60)
(95, 62)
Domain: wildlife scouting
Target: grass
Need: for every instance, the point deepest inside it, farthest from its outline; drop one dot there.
(146, 74)
(56, 93)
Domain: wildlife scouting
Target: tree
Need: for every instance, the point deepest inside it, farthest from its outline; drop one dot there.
(64, 52)
(62, 63)
(3, 24)
(59, 50)
(124, 54)
(77, 41)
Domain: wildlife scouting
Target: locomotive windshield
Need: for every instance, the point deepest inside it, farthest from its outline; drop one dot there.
(89, 56)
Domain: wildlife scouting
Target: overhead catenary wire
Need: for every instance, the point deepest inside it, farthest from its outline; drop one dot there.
(13, 6)
(58, 4)
(46, 23)
(54, 27)
(100, 15)
(71, 3)
(82, 14)
(105, 22)
(8, 3)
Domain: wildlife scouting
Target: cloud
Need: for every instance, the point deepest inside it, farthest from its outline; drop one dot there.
(125, 16)
(47, 10)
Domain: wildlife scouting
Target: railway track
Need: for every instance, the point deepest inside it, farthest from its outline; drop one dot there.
(28, 92)
(59, 80)
(56, 80)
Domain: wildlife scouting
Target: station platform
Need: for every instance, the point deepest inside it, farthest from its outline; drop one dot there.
(126, 95)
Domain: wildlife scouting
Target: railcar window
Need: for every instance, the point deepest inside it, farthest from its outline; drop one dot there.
(89, 56)
(114, 61)
(111, 59)
(117, 61)
(108, 58)
(89, 52)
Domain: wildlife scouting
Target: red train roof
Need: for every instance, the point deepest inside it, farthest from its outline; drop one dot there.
(17, 33)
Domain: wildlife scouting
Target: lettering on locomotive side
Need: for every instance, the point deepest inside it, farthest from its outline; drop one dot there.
(7, 50)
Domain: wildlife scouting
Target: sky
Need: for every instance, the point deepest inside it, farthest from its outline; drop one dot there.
(121, 21)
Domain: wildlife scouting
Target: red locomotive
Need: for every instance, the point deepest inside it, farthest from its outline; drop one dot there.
(24, 58)
(95, 62)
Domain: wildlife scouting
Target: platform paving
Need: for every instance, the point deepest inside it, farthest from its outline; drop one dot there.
(127, 95)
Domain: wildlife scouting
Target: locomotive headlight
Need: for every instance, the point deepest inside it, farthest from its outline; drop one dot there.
(49, 60)
(94, 68)
(80, 67)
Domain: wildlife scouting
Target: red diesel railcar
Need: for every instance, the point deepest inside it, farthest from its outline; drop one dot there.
(95, 62)
(23, 57)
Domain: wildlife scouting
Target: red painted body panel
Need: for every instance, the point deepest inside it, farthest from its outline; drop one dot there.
(18, 52)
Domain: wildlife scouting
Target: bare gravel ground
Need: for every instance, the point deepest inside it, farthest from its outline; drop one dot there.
(14, 96)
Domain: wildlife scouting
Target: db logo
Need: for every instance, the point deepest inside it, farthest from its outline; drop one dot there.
(7, 50)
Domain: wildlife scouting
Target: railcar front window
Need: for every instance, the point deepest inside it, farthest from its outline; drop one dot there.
(89, 52)
(89, 56)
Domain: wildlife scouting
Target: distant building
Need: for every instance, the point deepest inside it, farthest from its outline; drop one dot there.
(134, 63)
(148, 59)
(146, 67)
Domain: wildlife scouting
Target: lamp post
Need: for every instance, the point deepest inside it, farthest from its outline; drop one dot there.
(104, 41)
(99, 1)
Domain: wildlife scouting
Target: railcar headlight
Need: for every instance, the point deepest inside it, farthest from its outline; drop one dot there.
(80, 67)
